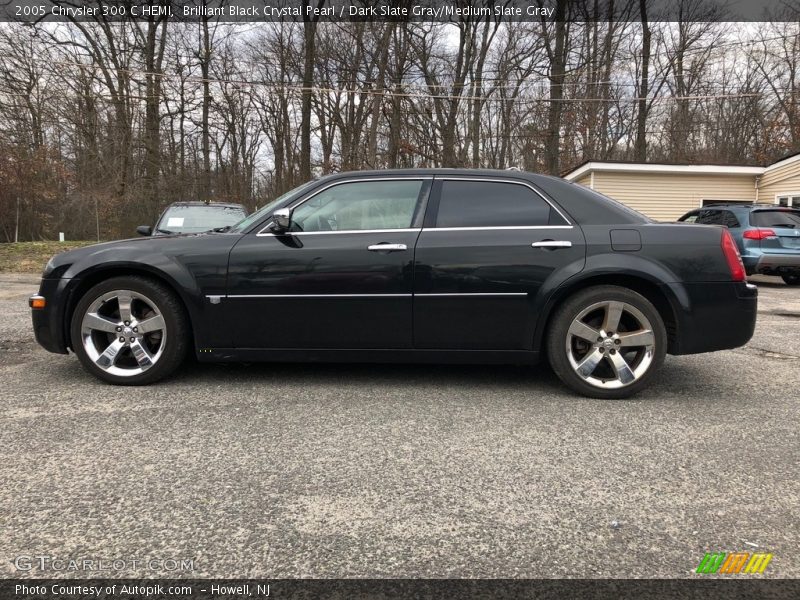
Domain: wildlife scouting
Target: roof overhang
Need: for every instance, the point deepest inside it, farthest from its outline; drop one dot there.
(785, 161)
(596, 166)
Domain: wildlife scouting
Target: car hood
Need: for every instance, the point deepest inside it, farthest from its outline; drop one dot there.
(149, 250)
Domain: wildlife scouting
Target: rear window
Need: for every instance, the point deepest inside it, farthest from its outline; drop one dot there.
(492, 204)
(715, 217)
(775, 218)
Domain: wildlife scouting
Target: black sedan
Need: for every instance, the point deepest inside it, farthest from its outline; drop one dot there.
(449, 265)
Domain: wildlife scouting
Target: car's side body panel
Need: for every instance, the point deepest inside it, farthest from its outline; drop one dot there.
(321, 291)
(194, 266)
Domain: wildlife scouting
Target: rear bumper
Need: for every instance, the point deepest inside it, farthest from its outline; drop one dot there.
(720, 316)
(778, 263)
(48, 323)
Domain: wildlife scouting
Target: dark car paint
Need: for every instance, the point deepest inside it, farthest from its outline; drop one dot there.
(683, 264)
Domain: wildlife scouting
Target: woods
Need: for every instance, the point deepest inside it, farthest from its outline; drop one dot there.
(102, 124)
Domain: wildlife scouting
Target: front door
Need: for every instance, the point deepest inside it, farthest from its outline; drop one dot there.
(341, 277)
(483, 254)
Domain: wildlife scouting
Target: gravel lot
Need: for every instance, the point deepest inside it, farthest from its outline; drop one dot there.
(402, 471)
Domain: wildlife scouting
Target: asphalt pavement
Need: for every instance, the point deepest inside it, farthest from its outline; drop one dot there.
(398, 471)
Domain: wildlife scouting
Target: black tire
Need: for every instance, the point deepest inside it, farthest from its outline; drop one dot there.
(175, 330)
(792, 279)
(558, 335)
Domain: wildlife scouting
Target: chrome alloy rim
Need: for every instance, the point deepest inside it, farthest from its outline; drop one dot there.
(610, 344)
(123, 333)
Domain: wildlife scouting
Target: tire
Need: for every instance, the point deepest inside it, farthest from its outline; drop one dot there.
(151, 346)
(572, 347)
(792, 279)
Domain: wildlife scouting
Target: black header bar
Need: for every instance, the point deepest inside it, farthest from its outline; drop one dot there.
(445, 11)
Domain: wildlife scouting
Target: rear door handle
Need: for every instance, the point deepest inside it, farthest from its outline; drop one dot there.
(384, 247)
(552, 244)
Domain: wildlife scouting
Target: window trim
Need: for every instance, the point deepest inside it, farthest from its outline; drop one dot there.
(790, 196)
(422, 201)
(442, 179)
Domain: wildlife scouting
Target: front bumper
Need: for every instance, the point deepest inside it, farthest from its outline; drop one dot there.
(720, 316)
(49, 327)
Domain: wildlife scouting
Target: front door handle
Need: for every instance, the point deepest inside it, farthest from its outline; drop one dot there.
(384, 247)
(552, 244)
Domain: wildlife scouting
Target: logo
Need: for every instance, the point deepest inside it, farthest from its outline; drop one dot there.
(734, 562)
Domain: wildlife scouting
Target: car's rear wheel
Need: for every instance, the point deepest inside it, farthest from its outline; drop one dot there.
(129, 331)
(793, 279)
(606, 342)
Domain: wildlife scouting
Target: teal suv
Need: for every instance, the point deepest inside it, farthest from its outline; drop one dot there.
(768, 236)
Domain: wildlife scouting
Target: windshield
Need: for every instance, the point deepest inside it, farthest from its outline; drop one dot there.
(776, 218)
(267, 209)
(198, 218)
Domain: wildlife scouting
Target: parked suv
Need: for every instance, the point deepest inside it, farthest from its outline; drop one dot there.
(768, 236)
(195, 217)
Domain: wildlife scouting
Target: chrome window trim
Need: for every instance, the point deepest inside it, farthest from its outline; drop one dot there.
(293, 233)
(497, 228)
(261, 232)
(514, 181)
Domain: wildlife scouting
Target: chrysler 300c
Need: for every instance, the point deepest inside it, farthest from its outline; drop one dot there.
(442, 265)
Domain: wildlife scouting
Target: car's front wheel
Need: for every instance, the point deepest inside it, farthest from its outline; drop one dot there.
(606, 342)
(793, 279)
(129, 331)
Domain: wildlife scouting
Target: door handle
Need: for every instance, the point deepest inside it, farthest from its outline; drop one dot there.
(384, 247)
(552, 244)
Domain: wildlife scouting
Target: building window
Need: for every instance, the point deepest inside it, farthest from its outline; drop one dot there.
(788, 200)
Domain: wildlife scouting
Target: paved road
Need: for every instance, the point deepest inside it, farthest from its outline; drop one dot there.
(394, 471)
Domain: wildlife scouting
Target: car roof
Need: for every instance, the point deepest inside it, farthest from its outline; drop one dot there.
(744, 206)
(200, 203)
(569, 196)
(428, 172)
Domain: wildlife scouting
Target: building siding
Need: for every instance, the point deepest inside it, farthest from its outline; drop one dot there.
(667, 196)
(782, 180)
(585, 181)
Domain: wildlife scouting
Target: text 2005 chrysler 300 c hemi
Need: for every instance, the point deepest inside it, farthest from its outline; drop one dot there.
(408, 265)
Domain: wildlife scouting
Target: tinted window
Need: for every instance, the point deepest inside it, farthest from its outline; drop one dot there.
(490, 204)
(194, 219)
(775, 218)
(717, 217)
(358, 206)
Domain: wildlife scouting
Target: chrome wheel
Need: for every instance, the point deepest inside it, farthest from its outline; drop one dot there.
(610, 344)
(123, 333)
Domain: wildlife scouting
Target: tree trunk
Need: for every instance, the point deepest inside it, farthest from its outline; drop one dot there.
(640, 150)
(552, 146)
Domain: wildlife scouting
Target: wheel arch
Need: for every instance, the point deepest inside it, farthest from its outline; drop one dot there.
(662, 297)
(92, 277)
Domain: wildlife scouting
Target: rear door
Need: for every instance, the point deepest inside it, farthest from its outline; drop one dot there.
(486, 247)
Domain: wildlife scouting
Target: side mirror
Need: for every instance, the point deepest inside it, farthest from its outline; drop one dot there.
(144, 230)
(282, 219)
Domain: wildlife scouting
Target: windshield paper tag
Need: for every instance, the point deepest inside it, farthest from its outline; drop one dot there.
(175, 222)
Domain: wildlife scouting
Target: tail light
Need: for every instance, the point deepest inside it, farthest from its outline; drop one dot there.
(731, 253)
(759, 234)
